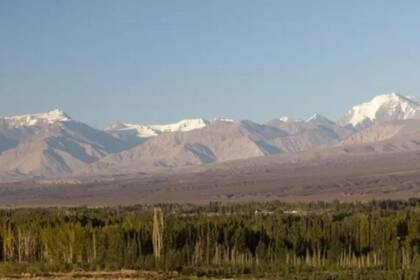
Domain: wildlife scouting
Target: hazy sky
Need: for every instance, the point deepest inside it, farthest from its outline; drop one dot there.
(161, 61)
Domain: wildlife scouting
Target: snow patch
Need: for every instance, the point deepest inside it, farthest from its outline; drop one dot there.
(289, 119)
(146, 131)
(184, 125)
(51, 117)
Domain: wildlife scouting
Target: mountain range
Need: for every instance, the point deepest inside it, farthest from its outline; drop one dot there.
(53, 145)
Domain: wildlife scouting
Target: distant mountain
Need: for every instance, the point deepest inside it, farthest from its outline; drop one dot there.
(222, 141)
(16, 129)
(315, 132)
(392, 136)
(52, 117)
(50, 144)
(218, 141)
(382, 108)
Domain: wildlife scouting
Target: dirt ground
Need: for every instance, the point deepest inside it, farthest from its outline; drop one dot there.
(337, 178)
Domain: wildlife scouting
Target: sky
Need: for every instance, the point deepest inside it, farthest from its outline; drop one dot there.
(161, 61)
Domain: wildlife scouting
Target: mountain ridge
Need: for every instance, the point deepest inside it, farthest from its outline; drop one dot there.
(386, 107)
(52, 144)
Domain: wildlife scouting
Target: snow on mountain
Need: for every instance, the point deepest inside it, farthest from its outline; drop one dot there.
(315, 117)
(51, 117)
(382, 108)
(313, 132)
(222, 120)
(319, 119)
(147, 131)
(50, 144)
(289, 119)
(142, 131)
(184, 125)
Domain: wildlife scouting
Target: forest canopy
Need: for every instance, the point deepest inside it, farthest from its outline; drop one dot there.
(269, 238)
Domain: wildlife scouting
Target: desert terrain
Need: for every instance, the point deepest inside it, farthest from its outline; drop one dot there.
(293, 177)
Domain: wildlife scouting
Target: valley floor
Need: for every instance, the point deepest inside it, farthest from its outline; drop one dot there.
(391, 176)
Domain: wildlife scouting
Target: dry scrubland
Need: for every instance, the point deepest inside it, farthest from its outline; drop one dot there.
(301, 177)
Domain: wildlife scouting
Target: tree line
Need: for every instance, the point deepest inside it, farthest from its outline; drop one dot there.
(216, 239)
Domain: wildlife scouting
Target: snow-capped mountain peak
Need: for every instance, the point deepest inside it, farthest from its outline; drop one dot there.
(318, 118)
(146, 131)
(51, 117)
(386, 107)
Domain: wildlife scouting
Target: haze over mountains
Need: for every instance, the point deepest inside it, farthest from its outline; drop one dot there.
(52, 145)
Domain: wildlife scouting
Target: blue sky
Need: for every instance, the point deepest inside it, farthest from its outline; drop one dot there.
(160, 61)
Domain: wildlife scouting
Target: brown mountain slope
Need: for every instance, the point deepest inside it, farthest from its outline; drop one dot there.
(353, 172)
(58, 149)
(220, 141)
(387, 137)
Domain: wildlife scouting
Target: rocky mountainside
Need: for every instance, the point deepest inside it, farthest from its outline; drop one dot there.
(392, 136)
(52, 144)
(223, 141)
